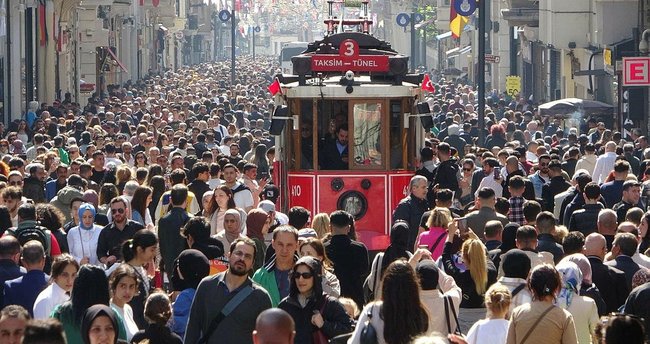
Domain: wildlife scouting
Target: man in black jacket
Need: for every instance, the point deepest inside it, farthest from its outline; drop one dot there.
(585, 220)
(545, 224)
(172, 243)
(556, 185)
(447, 171)
(411, 208)
(609, 280)
(623, 249)
(350, 257)
(199, 185)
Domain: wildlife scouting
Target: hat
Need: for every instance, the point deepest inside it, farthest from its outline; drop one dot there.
(267, 206)
(428, 273)
(305, 233)
(271, 192)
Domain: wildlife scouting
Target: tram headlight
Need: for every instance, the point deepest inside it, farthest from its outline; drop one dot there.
(354, 203)
(349, 75)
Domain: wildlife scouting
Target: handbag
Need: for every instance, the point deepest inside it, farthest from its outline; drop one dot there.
(449, 304)
(318, 337)
(368, 333)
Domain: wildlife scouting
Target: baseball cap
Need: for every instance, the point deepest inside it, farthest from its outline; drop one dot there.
(271, 192)
(267, 206)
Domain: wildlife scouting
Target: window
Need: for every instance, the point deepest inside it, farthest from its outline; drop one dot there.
(367, 135)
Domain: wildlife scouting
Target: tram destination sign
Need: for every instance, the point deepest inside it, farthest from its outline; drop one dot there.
(349, 59)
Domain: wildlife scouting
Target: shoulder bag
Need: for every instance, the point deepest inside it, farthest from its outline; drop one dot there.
(532, 328)
(368, 333)
(227, 309)
(449, 303)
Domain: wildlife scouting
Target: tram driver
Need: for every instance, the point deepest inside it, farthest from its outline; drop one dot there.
(334, 154)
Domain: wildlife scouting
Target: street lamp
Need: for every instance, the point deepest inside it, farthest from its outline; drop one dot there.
(644, 45)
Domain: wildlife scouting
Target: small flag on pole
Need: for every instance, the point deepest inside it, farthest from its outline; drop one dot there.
(274, 88)
(427, 85)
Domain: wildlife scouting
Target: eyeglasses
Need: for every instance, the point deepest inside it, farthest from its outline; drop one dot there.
(241, 254)
(16, 183)
(118, 210)
(304, 275)
(543, 164)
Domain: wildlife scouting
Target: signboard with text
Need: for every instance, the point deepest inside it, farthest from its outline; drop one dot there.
(636, 71)
(349, 59)
(513, 84)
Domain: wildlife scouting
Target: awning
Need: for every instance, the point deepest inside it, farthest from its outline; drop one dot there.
(465, 50)
(452, 51)
(119, 63)
(443, 35)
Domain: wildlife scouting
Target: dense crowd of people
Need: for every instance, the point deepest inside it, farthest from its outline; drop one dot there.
(149, 216)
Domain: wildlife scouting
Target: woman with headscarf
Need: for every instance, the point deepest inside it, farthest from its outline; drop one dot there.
(90, 288)
(99, 326)
(191, 267)
(583, 309)
(397, 249)
(82, 239)
(318, 316)
(258, 223)
(587, 288)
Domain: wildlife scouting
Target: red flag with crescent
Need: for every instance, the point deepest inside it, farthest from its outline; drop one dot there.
(275, 88)
(427, 85)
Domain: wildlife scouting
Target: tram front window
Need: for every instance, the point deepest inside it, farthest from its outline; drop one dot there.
(367, 134)
(335, 152)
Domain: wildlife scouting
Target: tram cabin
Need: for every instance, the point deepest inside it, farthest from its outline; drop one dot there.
(348, 132)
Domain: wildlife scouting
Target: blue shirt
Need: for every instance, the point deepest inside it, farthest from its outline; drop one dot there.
(282, 278)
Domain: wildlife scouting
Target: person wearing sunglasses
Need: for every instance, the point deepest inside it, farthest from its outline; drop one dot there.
(115, 233)
(316, 314)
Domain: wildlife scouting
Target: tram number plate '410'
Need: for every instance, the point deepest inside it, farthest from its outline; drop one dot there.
(349, 59)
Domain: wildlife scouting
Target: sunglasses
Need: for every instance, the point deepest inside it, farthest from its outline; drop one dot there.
(118, 210)
(466, 169)
(15, 183)
(304, 275)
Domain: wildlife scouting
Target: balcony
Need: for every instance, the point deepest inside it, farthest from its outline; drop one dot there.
(521, 12)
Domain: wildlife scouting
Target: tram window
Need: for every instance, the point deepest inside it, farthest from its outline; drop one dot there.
(333, 133)
(367, 134)
(395, 135)
(306, 135)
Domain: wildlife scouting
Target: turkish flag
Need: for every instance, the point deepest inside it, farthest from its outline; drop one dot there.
(274, 88)
(427, 85)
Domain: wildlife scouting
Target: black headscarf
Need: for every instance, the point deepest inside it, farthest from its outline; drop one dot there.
(194, 266)
(516, 264)
(93, 313)
(398, 248)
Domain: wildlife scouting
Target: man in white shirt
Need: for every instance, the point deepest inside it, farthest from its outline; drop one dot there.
(588, 161)
(241, 193)
(492, 179)
(605, 163)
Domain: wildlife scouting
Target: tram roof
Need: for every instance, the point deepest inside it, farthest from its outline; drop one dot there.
(363, 87)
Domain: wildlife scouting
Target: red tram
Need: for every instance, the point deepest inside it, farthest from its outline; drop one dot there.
(353, 79)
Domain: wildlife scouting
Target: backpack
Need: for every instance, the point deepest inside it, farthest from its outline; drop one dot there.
(241, 187)
(39, 233)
